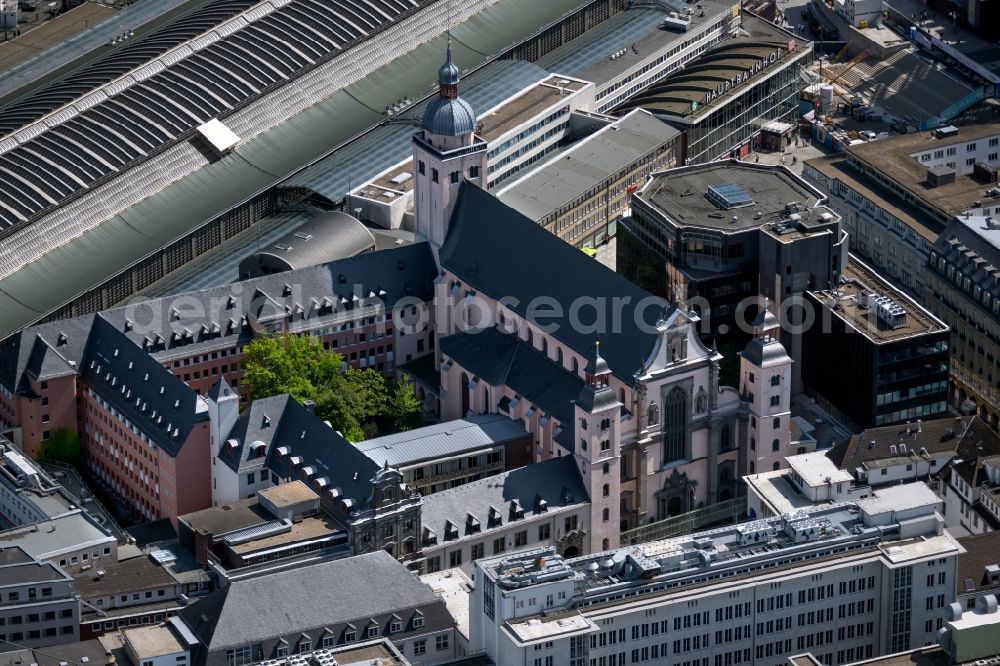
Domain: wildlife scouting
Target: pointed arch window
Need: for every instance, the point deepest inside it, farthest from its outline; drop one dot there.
(675, 425)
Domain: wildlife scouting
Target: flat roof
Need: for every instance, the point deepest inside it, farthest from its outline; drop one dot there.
(312, 527)
(29, 572)
(816, 469)
(136, 573)
(528, 104)
(57, 535)
(899, 498)
(775, 489)
(288, 494)
(838, 166)
(152, 642)
(591, 161)
(453, 587)
(933, 655)
(18, 50)
(682, 194)
(857, 280)
(898, 159)
(218, 520)
(450, 438)
(589, 56)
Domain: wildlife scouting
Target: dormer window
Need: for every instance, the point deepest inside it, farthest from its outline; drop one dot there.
(397, 625)
(418, 620)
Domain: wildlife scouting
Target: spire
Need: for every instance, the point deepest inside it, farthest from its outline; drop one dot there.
(448, 76)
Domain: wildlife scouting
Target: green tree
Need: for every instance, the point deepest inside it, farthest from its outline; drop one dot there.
(63, 445)
(405, 409)
(299, 366)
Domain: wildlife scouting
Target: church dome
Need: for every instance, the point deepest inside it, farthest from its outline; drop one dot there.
(449, 117)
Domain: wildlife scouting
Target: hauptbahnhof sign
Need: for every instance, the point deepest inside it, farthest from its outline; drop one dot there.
(743, 76)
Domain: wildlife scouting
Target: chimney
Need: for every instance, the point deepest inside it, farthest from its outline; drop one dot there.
(309, 405)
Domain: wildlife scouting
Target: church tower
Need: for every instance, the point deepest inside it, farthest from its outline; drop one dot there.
(598, 416)
(446, 151)
(765, 383)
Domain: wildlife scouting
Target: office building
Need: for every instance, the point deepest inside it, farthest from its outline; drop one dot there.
(38, 607)
(580, 194)
(823, 579)
(730, 231)
(28, 494)
(278, 614)
(897, 195)
(873, 352)
(963, 289)
(724, 99)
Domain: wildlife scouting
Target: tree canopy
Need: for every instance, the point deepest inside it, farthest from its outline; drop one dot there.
(357, 402)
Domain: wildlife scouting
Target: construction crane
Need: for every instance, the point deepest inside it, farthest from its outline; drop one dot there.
(846, 68)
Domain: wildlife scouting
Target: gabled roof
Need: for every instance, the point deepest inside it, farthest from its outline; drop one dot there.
(496, 250)
(556, 481)
(207, 320)
(936, 436)
(502, 359)
(326, 594)
(148, 394)
(291, 433)
(981, 551)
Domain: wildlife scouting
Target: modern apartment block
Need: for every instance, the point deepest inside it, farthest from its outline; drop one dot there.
(37, 605)
(847, 581)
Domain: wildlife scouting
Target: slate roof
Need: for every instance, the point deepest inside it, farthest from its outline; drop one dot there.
(442, 439)
(293, 600)
(279, 422)
(181, 324)
(132, 382)
(496, 250)
(502, 359)
(978, 442)
(937, 436)
(982, 550)
(764, 354)
(557, 481)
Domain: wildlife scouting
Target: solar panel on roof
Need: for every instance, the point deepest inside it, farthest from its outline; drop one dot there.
(728, 195)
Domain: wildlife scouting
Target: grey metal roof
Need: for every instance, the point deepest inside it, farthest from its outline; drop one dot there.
(556, 481)
(327, 594)
(123, 223)
(322, 239)
(442, 439)
(590, 162)
(449, 117)
(115, 61)
(496, 250)
(199, 80)
(765, 353)
(387, 145)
